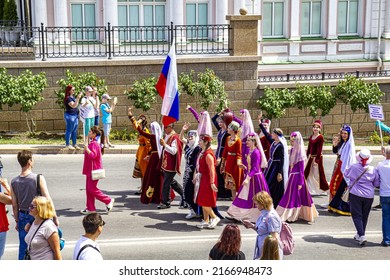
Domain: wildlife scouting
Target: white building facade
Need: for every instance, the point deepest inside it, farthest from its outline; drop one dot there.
(294, 35)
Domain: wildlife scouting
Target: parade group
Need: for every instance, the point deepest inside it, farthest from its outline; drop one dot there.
(267, 183)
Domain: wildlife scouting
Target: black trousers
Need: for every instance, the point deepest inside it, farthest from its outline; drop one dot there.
(168, 183)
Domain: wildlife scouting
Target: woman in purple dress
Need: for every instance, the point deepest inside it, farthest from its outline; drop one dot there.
(296, 202)
(243, 206)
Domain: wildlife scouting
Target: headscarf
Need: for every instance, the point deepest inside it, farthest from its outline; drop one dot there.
(247, 124)
(347, 151)
(234, 126)
(194, 142)
(204, 126)
(297, 153)
(254, 136)
(156, 130)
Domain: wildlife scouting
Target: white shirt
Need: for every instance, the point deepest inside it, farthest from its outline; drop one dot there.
(88, 253)
(383, 170)
(89, 109)
(172, 149)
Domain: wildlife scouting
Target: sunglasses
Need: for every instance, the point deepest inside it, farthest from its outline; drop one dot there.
(32, 206)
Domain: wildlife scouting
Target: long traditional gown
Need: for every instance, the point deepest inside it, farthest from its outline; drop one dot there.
(151, 184)
(190, 156)
(297, 204)
(143, 150)
(221, 140)
(243, 206)
(315, 174)
(336, 188)
(231, 154)
(206, 196)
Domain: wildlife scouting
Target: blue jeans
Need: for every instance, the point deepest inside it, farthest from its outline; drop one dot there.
(72, 124)
(23, 220)
(3, 238)
(385, 202)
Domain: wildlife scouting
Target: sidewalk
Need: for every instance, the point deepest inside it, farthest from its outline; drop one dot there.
(120, 149)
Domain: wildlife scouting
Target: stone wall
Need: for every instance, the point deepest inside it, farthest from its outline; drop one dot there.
(238, 73)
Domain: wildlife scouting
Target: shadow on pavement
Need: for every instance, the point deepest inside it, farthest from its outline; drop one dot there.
(344, 242)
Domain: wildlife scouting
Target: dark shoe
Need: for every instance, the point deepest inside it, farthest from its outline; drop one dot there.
(138, 192)
(164, 206)
(377, 207)
(384, 244)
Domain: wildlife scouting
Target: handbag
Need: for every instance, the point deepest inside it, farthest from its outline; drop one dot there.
(345, 195)
(98, 174)
(62, 241)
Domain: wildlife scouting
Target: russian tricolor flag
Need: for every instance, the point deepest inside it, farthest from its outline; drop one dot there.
(167, 88)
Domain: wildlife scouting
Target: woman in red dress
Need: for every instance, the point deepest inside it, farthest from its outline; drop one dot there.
(231, 160)
(206, 183)
(314, 170)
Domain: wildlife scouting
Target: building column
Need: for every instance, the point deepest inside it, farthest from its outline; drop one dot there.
(177, 8)
(61, 20)
(40, 12)
(332, 20)
(110, 15)
(295, 11)
(332, 30)
(386, 31)
(220, 18)
(238, 4)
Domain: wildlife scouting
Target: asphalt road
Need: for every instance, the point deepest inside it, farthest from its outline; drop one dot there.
(135, 231)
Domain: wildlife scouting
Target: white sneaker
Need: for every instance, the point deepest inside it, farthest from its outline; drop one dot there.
(110, 205)
(69, 147)
(214, 222)
(203, 224)
(362, 240)
(356, 237)
(77, 147)
(86, 211)
(191, 215)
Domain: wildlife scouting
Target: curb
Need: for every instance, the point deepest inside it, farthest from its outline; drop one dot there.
(120, 149)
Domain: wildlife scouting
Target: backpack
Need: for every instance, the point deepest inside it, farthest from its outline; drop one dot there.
(287, 239)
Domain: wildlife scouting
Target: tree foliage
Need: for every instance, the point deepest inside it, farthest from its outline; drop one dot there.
(358, 93)
(320, 100)
(143, 93)
(276, 101)
(79, 81)
(206, 87)
(10, 12)
(25, 89)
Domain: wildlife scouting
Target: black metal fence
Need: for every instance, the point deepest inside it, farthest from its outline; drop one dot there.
(321, 76)
(112, 41)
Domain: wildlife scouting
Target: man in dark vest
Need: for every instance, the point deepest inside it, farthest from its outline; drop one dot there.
(170, 165)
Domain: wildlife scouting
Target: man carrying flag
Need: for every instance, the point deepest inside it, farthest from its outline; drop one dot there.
(167, 88)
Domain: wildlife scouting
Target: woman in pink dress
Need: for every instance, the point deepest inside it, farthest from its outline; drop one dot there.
(296, 202)
(93, 161)
(243, 206)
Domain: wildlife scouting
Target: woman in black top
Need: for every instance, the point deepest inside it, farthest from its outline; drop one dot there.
(228, 246)
(71, 117)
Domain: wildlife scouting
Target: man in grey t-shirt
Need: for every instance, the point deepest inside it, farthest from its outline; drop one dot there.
(23, 190)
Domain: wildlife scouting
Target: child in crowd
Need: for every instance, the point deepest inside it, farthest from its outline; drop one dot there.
(106, 111)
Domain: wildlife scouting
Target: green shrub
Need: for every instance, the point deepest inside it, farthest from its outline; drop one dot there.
(375, 138)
